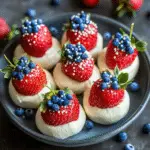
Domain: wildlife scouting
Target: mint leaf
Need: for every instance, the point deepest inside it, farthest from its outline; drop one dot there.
(123, 78)
(43, 107)
(141, 46)
(116, 71)
(67, 91)
(15, 60)
(8, 75)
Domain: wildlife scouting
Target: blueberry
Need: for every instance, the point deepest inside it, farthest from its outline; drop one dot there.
(134, 86)
(107, 36)
(129, 50)
(29, 113)
(146, 128)
(27, 70)
(69, 96)
(49, 103)
(78, 60)
(118, 35)
(69, 46)
(103, 85)
(126, 38)
(66, 103)
(29, 29)
(84, 56)
(83, 49)
(55, 107)
(14, 74)
(89, 124)
(106, 79)
(104, 75)
(115, 85)
(116, 42)
(35, 29)
(77, 20)
(34, 23)
(31, 13)
(74, 26)
(60, 102)
(87, 21)
(19, 68)
(23, 30)
(122, 136)
(20, 76)
(55, 2)
(129, 147)
(121, 47)
(55, 99)
(31, 65)
(81, 27)
(24, 59)
(22, 63)
(61, 93)
(27, 23)
(19, 112)
(114, 79)
(53, 31)
(39, 21)
(126, 43)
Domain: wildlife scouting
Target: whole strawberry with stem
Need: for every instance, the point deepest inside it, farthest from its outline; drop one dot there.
(36, 38)
(76, 62)
(127, 6)
(27, 77)
(59, 107)
(81, 29)
(4, 28)
(123, 49)
(109, 91)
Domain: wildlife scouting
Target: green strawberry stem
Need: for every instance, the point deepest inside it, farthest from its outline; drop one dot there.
(131, 30)
(11, 65)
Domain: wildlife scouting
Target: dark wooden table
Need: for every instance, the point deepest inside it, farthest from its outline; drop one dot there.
(10, 136)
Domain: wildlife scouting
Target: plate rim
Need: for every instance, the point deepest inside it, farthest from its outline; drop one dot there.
(93, 140)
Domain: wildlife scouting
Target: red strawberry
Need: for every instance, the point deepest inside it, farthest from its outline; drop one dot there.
(64, 115)
(88, 37)
(32, 83)
(136, 4)
(36, 44)
(107, 98)
(4, 28)
(119, 58)
(90, 3)
(79, 71)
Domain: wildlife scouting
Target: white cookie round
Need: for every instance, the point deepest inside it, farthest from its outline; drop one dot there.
(34, 100)
(50, 58)
(61, 131)
(108, 115)
(63, 81)
(132, 70)
(94, 52)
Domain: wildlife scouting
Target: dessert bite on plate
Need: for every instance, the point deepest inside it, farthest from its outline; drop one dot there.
(37, 42)
(28, 82)
(76, 68)
(60, 115)
(107, 101)
(122, 51)
(81, 29)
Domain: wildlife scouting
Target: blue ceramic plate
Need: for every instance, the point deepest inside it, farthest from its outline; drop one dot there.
(99, 133)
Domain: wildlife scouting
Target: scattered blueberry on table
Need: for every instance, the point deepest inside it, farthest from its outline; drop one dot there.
(129, 147)
(134, 86)
(29, 113)
(55, 2)
(146, 128)
(31, 13)
(107, 36)
(19, 112)
(122, 136)
(53, 31)
(89, 125)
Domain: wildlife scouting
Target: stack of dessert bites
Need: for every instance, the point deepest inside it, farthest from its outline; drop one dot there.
(47, 76)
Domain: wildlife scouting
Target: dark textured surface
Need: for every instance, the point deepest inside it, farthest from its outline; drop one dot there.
(10, 136)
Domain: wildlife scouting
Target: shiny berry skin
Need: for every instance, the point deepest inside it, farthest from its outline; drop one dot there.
(107, 36)
(66, 103)
(104, 75)
(49, 103)
(106, 79)
(27, 70)
(20, 76)
(103, 86)
(31, 13)
(35, 29)
(39, 21)
(90, 3)
(146, 128)
(122, 136)
(118, 35)
(134, 86)
(31, 65)
(19, 68)
(29, 113)
(55, 99)
(55, 2)
(61, 93)
(114, 79)
(53, 31)
(81, 27)
(129, 50)
(89, 125)
(19, 112)
(69, 96)
(14, 74)
(116, 42)
(55, 107)
(115, 85)
(129, 147)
